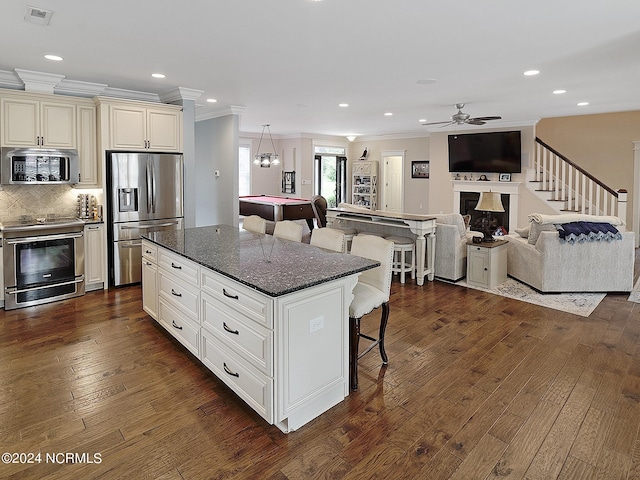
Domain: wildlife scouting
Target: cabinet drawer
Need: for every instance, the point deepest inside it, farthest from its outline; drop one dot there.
(149, 251)
(251, 341)
(179, 293)
(248, 383)
(179, 266)
(182, 328)
(248, 302)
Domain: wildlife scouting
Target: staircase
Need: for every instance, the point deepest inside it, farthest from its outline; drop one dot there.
(569, 188)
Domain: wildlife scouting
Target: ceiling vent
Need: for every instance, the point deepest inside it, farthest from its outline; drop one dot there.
(36, 15)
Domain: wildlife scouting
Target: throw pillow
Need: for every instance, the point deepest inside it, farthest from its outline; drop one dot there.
(523, 232)
(537, 228)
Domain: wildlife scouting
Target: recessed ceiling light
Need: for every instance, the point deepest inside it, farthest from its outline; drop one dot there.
(211, 100)
(388, 114)
(343, 105)
(158, 75)
(530, 73)
(582, 104)
(559, 92)
(422, 120)
(55, 58)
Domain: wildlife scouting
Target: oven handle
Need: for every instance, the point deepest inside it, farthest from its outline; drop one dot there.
(41, 238)
(14, 291)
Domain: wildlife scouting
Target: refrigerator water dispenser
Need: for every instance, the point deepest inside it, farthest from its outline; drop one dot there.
(128, 199)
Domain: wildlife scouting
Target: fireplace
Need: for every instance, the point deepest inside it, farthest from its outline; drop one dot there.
(509, 194)
(468, 202)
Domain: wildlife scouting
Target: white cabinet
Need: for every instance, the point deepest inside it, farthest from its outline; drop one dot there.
(88, 146)
(150, 279)
(94, 256)
(179, 299)
(487, 263)
(31, 121)
(141, 126)
(286, 357)
(364, 182)
(237, 340)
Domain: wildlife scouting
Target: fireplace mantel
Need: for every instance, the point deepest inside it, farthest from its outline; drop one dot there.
(507, 188)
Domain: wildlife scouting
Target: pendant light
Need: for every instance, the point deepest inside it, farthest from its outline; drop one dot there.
(266, 159)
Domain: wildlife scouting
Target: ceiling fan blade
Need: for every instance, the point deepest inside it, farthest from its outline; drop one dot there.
(486, 118)
(436, 123)
(474, 121)
(447, 124)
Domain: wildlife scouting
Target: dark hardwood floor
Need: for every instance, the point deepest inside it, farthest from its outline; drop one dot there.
(478, 386)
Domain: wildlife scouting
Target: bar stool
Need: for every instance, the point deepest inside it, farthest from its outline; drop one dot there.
(349, 233)
(402, 246)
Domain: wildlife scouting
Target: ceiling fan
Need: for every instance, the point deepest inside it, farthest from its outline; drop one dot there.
(461, 118)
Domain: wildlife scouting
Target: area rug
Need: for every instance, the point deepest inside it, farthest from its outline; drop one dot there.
(635, 293)
(577, 303)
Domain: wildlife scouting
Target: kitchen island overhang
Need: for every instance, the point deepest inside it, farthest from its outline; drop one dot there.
(267, 316)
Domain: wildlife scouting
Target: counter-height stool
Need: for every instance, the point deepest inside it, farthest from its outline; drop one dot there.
(289, 230)
(402, 246)
(328, 238)
(349, 233)
(254, 223)
(372, 291)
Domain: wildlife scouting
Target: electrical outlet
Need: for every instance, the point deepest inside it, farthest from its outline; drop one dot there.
(316, 324)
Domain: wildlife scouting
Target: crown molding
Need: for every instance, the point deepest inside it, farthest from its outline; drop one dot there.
(10, 80)
(230, 110)
(180, 93)
(131, 95)
(80, 88)
(39, 82)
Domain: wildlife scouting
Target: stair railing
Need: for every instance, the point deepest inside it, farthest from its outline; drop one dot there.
(570, 183)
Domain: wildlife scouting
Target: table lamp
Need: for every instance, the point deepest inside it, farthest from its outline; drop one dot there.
(488, 202)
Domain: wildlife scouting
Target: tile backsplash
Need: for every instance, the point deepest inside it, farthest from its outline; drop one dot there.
(39, 200)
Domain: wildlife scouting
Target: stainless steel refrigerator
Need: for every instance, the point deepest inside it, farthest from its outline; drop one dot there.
(145, 194)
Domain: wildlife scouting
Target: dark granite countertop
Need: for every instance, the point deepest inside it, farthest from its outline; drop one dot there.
(268, 264)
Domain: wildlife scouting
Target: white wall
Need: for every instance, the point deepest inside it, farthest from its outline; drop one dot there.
(216, 198)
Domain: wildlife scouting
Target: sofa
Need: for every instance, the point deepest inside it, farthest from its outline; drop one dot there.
(537, 256)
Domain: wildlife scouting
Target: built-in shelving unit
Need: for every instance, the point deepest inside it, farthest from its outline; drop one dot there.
(365, 184)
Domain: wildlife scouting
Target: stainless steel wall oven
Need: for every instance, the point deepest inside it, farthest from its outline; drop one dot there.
(42, 262)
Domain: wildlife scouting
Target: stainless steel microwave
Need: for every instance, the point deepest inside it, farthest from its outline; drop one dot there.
(29, 166)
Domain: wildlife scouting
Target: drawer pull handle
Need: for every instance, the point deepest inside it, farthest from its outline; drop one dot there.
(228, 295)
(174, 293)
(229, 372)
(177, 267)
(173, 323)
(147, 251)
(226, 327)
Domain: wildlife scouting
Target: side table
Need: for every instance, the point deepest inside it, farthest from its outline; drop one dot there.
(487, 263)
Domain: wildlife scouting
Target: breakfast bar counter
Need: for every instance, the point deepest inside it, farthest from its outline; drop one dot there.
(268, 316)
(422, 228)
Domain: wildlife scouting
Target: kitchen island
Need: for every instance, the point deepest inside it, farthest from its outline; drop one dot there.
(268, 316)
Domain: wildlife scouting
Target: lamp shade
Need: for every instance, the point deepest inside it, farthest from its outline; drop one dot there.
(490, 202)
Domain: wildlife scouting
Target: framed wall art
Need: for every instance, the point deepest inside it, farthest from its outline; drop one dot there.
(420, 169)
(505, 177)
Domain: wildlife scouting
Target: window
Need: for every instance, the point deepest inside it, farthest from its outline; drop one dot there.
(244, 170)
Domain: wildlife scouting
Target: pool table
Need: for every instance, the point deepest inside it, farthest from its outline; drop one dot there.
(274, 208)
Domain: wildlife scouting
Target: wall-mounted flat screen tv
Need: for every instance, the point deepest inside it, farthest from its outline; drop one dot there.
(495, 152)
